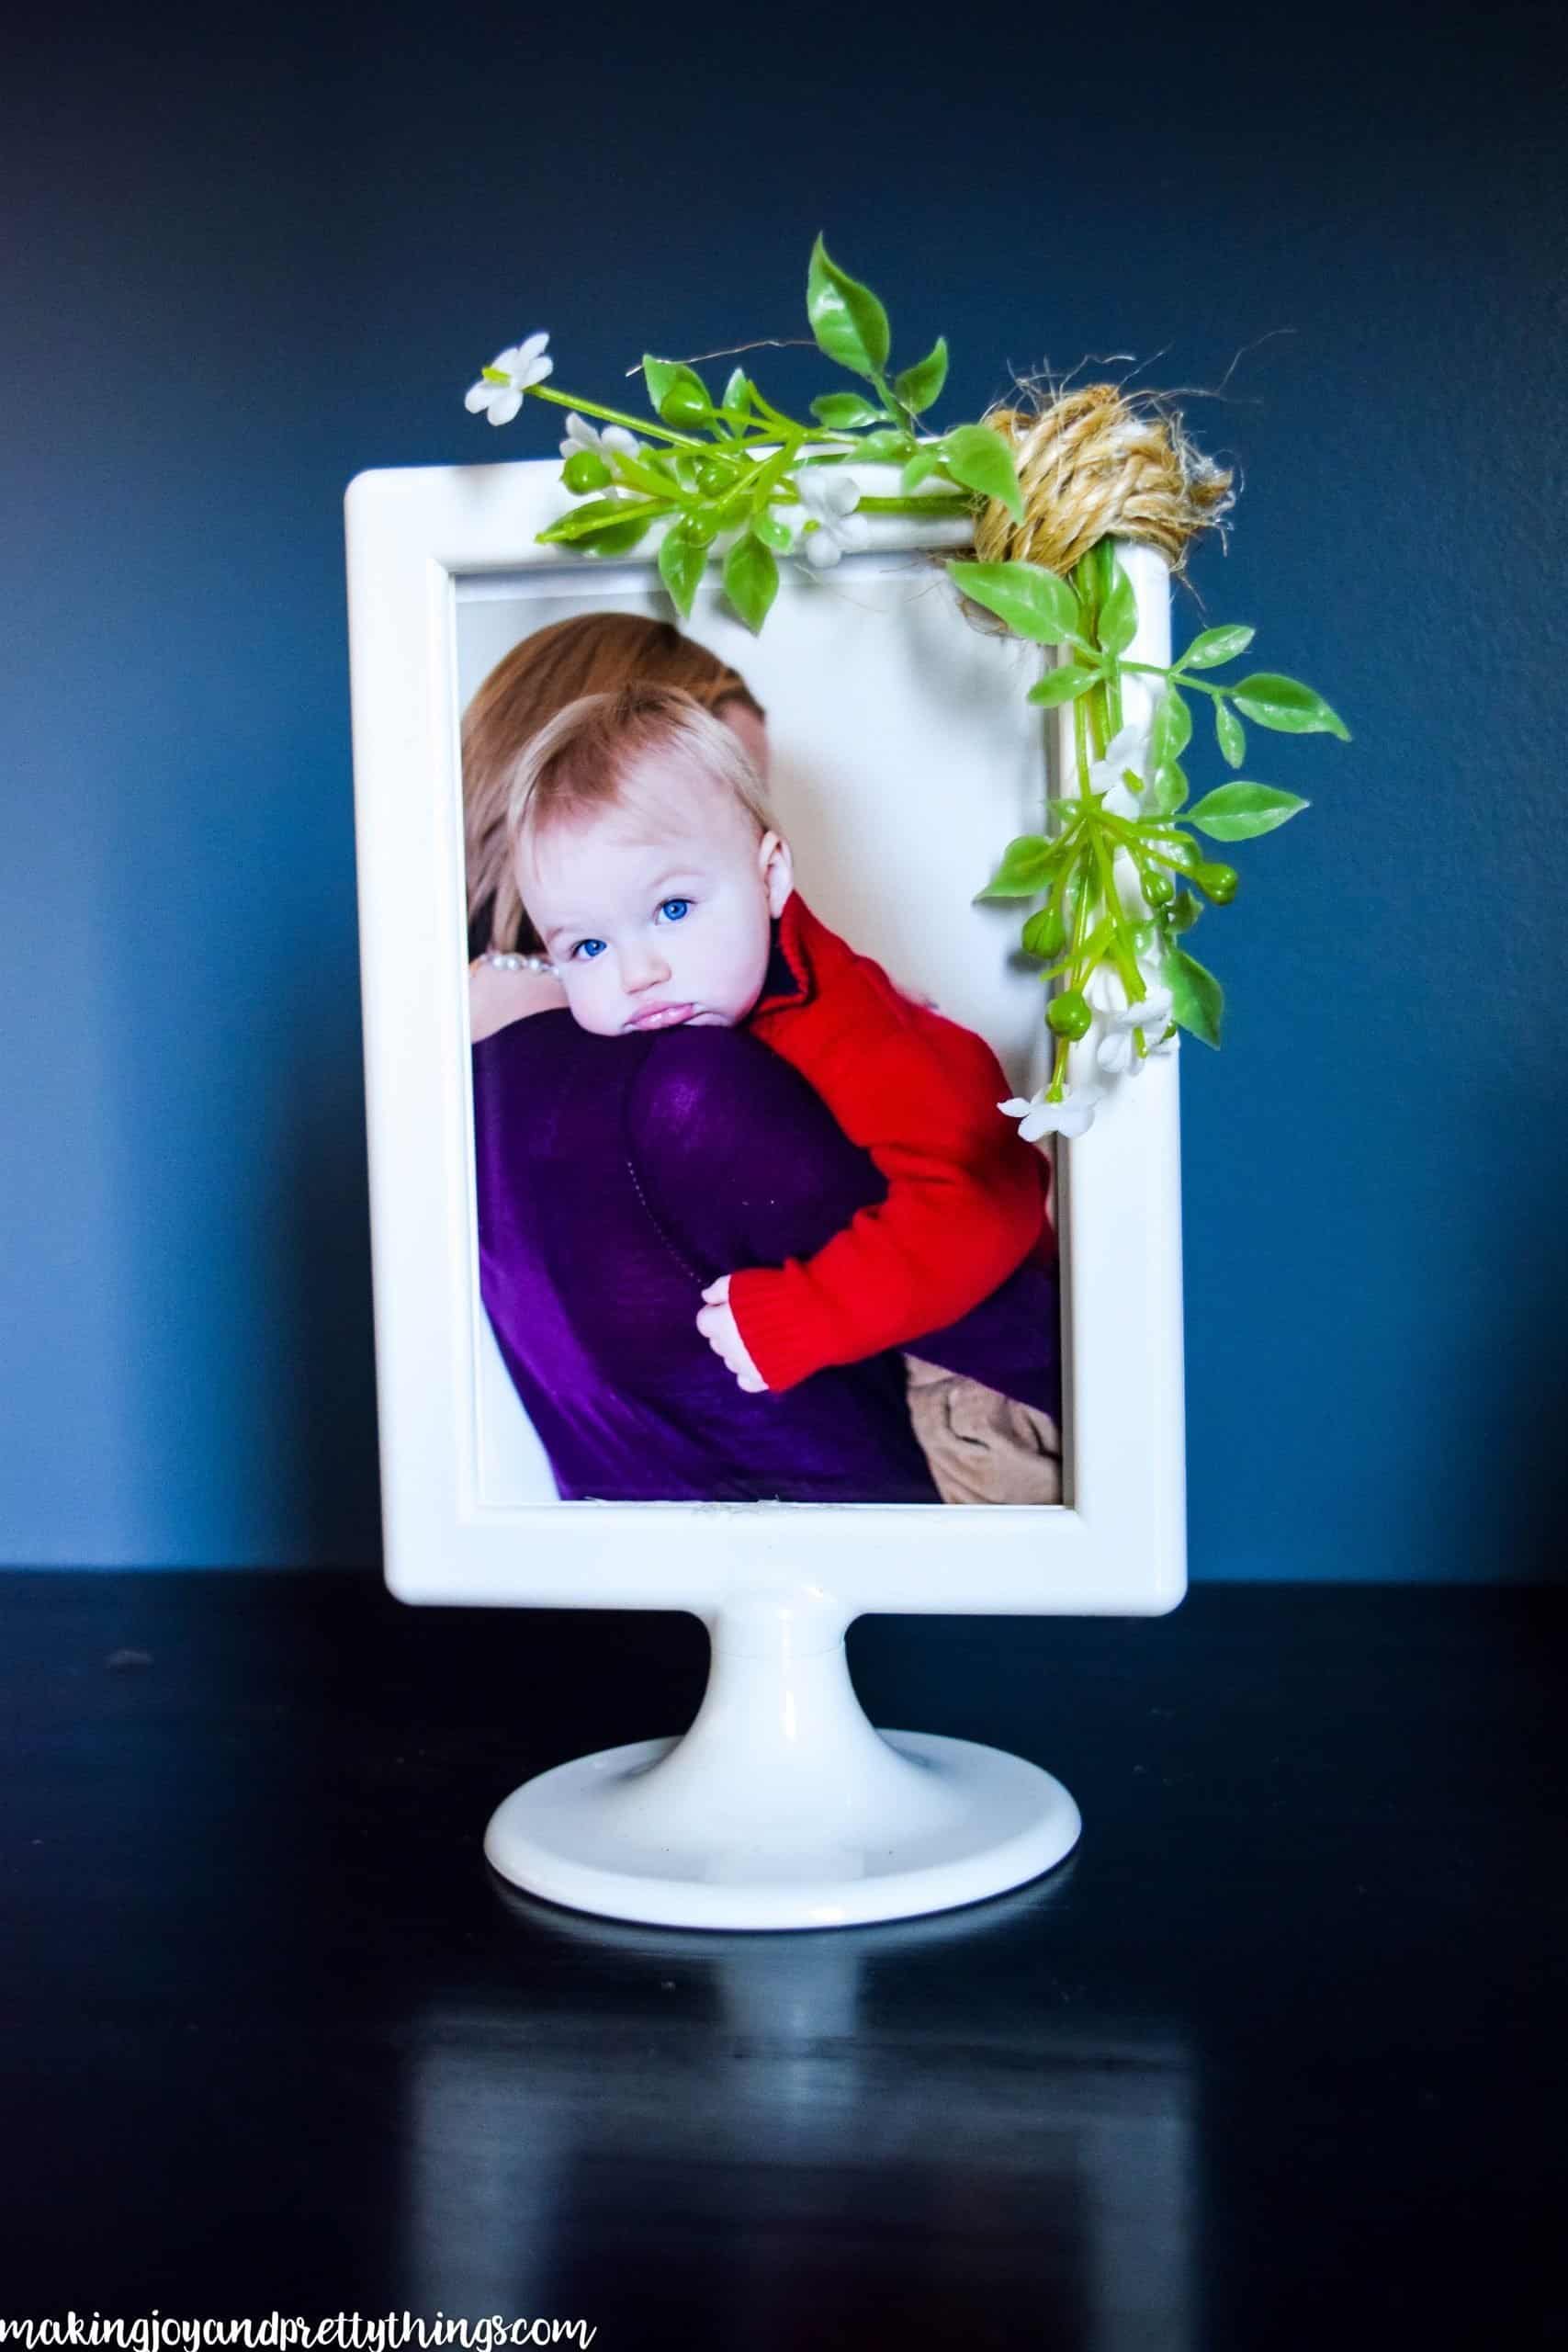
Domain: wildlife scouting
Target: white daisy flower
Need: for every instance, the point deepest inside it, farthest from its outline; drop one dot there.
(1073, 1115)
(520, 364)
(581, 435)
(830, 496)
(1117, 1053)
(1127, 750)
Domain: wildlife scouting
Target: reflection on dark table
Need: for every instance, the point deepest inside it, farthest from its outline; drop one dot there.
(1270, 2061)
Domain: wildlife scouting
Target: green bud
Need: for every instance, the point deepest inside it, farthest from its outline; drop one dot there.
(1156, 886)
(585, 470)
(713, 475)
(1045, 935)
(698, 529)
(1068, 1014)
(684, 404)
(1217, 882)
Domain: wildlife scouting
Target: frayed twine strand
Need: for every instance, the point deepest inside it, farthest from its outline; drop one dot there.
(1095, 464)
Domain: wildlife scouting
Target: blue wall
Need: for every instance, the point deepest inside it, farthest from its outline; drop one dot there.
(250, 264)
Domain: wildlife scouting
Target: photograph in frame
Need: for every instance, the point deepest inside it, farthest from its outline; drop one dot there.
(762, 836)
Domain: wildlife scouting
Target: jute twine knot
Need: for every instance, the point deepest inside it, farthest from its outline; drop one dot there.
(1095, 465)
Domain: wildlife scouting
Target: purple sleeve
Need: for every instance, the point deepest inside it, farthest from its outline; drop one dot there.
(740, 1162)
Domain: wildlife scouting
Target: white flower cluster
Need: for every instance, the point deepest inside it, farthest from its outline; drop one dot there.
(830, 498)
(581, 435)
(1116, 1054)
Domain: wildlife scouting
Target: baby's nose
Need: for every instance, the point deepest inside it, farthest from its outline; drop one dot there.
(645, 967)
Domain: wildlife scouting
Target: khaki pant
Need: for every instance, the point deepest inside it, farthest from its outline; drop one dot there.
(982, 1447)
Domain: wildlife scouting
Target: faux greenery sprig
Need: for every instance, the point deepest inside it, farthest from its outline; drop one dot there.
(1122, 879)
(1119, 881)
(738, 464)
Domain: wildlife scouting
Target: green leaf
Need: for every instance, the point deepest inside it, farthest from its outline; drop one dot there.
(1033, 601)
(982, 460)
(884, 449)
(1231, 735)
(750, 579)
(623, 537)
(926, 460)
(1238, 812)
(771, 531)
(847, 321)
(1166, 791)
(593, 520)
(1063, 684)
(1118, 615)
(1197, 1001)
(1026, 867)
(677, 391)
(738, 392)
(1183, 912)
(839, 412)
(1172, 729)
(919, 386)
(1287, 705)
(682, 563)
(1214, 646)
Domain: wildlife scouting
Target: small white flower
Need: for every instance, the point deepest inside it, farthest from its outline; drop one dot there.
(830, 496)
(1073, 1115)
(1117, 1053)
(522, 364)
(581, 435)
(1128, 750)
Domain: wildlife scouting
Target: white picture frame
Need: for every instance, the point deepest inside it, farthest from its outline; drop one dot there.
(1116, 1544)
(422, 545)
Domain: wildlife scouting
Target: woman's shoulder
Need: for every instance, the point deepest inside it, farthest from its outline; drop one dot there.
(709, 1095)
(542, 1038)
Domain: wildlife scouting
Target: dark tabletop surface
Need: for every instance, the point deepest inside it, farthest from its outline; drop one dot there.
(1275, 2059)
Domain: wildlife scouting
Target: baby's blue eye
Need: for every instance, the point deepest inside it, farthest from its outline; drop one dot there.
(587, 948)
(675, 910)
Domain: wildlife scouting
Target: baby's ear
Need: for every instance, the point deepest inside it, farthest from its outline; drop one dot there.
(778, 870)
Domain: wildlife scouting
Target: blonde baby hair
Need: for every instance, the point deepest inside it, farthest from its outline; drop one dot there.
(588, 653)
(581, 761)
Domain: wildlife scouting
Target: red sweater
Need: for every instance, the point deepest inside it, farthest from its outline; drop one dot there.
(966, 1200)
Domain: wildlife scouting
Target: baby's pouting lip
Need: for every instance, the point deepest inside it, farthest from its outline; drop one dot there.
(661, 1016)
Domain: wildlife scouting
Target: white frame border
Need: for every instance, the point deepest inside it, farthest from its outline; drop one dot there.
(1116, 1547)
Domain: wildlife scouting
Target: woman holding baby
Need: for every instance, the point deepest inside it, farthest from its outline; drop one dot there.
(727, 1171)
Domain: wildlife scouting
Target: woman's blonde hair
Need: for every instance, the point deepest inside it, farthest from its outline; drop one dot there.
(584, 758)
(591, 653)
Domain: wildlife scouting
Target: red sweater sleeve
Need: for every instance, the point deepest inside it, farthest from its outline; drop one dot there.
(966, 1198)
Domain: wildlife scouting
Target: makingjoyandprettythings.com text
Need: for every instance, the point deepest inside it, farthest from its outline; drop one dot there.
(281, 2331)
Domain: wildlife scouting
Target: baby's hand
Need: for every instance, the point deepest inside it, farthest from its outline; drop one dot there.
(719, 1328)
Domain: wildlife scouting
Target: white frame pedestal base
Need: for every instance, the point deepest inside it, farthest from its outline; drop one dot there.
(782, 1807)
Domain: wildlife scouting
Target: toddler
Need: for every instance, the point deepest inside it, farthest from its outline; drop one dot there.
(649, 863)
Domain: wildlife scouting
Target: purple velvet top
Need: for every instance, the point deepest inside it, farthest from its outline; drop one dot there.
(616, 1178)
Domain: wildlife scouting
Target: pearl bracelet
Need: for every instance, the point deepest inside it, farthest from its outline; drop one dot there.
(506, 961)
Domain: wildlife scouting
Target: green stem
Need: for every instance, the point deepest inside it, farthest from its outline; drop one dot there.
(1146, 845)
(1121, 944)
(936, 504)
(1080, 920)
(613, 415)
(1080, 745)
(1153, 669)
